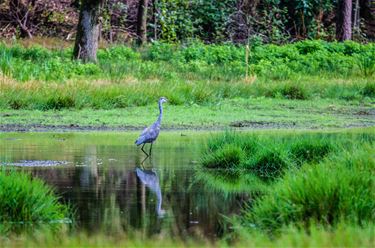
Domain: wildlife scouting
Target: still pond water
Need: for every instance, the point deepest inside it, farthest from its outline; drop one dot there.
(101, 176)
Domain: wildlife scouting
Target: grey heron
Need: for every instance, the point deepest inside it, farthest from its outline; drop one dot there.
(150, 134)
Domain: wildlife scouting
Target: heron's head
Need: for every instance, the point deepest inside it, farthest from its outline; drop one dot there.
(163, 100)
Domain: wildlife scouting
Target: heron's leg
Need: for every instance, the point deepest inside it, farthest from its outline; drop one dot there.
(150, 149)
(143, 162)
(144, 150)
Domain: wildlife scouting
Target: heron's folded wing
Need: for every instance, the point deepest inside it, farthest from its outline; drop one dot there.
(145, 131)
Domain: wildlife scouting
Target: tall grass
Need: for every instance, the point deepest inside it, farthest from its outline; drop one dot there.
(338, 189)
(38, 78)
(268, 156)
(28, 200)
(344, 235)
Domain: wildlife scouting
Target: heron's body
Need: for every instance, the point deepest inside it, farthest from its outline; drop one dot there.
(151, 133)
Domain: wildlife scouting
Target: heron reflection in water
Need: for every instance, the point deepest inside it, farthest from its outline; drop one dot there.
(151, 180)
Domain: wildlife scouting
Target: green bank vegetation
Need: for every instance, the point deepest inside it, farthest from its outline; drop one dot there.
(28, 201)
(246, 113)
(38, 78)
(304, 182)
(269, 156)
(338, 189)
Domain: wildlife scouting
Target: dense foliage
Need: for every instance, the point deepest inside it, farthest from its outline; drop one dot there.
(196, 73)
(181, 20)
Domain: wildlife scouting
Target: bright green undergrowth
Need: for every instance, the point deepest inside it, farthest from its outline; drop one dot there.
(37, 78)
(28, 200)
(268, 157)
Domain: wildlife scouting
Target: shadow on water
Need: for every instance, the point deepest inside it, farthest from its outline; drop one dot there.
(111, 192)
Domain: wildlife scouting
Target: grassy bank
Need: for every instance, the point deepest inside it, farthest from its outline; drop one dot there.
(245, 113)
(304, 183)
(267, 157)
(37, 78)
(338, 189)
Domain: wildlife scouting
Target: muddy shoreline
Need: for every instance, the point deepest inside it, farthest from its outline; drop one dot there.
(246, 125)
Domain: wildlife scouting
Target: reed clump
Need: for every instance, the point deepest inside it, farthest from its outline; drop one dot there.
(28, 200)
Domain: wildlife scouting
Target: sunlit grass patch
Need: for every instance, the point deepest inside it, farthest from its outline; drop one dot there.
(28, 200)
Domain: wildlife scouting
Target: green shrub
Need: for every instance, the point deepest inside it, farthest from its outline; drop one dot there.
(294, 91)
(267, 164)
(339, 189)
(118, 53)
(366, 62)
(228, 156)
(312, 150)
(25, 199)
(369, 89)
(310, 46)
(59, 102)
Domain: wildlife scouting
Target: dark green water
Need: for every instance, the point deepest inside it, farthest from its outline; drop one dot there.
(101, 176)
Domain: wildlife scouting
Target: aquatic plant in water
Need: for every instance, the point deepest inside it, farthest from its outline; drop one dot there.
(28, 200)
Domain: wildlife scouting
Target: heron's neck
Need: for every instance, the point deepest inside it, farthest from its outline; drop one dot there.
(161, 112)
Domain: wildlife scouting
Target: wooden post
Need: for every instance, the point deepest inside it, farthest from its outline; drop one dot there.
(247, 61)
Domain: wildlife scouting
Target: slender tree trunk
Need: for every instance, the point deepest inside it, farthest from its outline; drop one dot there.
(87, 37)
(155, 10)
(142, 22)
(367, 13)
(344, 20)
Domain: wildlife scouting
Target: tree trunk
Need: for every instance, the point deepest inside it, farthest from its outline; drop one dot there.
(142, 22)
(87, 37)
(344, 20)
(367, 13)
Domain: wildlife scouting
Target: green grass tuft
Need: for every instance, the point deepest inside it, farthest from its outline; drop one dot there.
(338, 189)
(28, 200)
(268, 157)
